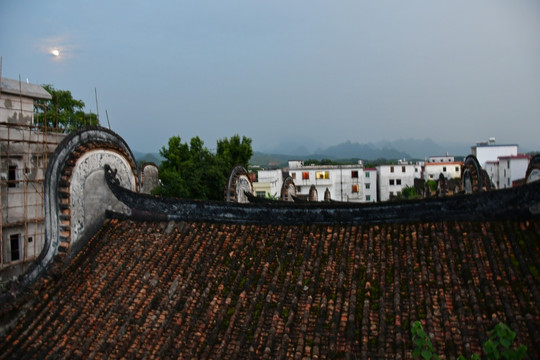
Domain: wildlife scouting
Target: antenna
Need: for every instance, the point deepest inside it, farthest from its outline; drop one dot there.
(108, 122)
(0, 75)
(97, 108)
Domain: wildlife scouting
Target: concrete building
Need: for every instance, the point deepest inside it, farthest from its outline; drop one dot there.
(441, 159)
(450, 170)
(511, 169)
(392, 179)
(370, 184)
(269, 183)
(490, 151)
(24, 152)
(348, 183)
(503, 163)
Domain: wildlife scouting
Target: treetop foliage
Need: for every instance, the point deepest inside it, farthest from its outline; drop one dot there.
(192, 171)
(62, 113)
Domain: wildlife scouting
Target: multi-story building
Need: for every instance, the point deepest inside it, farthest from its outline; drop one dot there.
(392, 179)
(511, 169)
(441, 159)
(450, 170)
(370, 184)
(348, 183)
(269, 183)
(502, 163)
(490, 151)
(24, 152)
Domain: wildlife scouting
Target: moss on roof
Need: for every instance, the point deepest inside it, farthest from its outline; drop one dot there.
(142, 289)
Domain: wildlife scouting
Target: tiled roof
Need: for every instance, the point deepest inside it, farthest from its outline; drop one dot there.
(221, 291)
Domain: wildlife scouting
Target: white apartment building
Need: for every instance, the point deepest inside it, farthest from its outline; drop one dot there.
(441, 159)
(490, 151)
(269, 183)
(370, 184)
(492, 169)
(450, 170)
(392, 179)
(348, 183)
(510, 169)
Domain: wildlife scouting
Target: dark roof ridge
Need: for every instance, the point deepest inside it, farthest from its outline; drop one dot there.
(517, 203)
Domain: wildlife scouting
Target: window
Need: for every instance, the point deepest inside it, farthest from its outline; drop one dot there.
(30, 239)
(12, 176)
(322, 175)
(391, 169)
(355, 188)
(444, 169)
(305, 175)
(368, 197)
(508, 165)
(367, 174)
(15, 250)
(261, 194)
(403, 169)
(398, 182)
(457, 168)
(391, 181)
(354, 174)
(368, 186)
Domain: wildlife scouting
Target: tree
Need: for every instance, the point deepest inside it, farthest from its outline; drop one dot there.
(192, 171)
(234, 151)
(62, 113)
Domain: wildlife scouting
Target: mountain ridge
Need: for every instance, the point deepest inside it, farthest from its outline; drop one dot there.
(408, 149)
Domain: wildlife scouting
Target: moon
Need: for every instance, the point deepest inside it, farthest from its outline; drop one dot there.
(55, 52)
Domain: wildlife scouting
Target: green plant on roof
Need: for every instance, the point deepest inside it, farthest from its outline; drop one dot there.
(423, 345)
(499, 343)
(498, 346)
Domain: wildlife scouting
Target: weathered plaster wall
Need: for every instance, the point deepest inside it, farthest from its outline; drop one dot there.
(150, 178)
(90, 196)
(75, 199)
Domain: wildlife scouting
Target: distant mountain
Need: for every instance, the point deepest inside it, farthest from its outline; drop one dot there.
(424, 148)
(342, 152)
(364, 151)
(148, 157)
(297, 145)
(279, 154)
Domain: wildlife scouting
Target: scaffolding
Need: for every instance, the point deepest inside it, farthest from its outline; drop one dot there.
(25, 149)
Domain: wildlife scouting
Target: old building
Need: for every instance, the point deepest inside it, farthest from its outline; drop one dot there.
(124, 274)
(190, 279)
(25, 149)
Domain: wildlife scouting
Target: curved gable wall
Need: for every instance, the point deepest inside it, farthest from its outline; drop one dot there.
(75, 196)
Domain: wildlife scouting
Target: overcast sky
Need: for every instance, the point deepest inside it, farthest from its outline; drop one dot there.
(320, 71)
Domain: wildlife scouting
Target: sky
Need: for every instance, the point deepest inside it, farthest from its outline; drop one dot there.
(308, 71)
